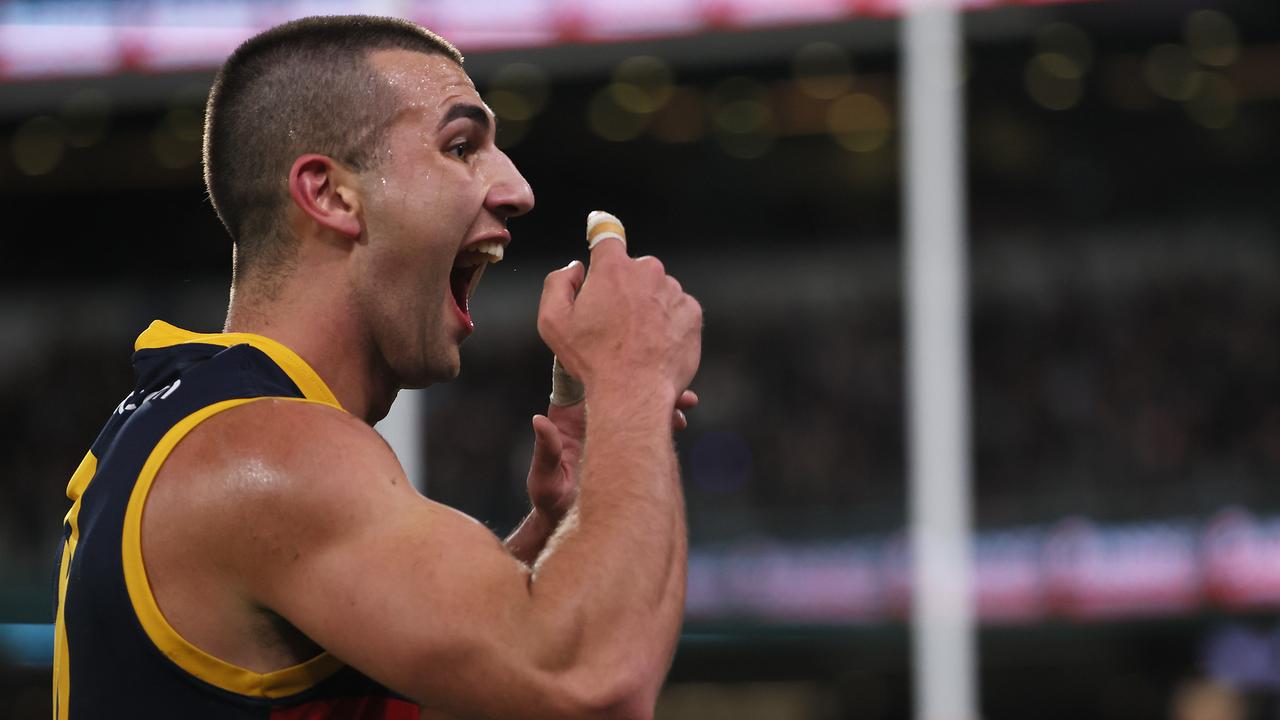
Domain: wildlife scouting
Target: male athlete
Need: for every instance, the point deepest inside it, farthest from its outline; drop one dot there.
(242, 544)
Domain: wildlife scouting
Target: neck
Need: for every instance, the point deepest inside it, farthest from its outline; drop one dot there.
(325, 335)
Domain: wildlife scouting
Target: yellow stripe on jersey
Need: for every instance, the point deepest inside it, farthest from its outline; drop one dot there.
(81, 477)
(190, 658)
(161, 334)
(61, 657)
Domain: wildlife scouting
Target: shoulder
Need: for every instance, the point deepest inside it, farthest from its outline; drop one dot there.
(275, 423)
(288, 440)
(275, 462)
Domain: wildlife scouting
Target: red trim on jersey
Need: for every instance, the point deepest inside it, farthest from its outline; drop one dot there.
(363, 708)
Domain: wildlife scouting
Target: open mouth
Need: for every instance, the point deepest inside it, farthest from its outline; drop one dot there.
(467, 269)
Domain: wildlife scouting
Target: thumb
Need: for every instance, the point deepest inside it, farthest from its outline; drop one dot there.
(603, 227)
(547, 448)
(611, 249)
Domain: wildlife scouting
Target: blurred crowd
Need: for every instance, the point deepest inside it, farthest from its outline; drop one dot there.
(1140, 381)
(1116, 382)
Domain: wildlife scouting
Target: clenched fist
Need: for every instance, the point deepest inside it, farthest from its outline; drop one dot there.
(626, 327)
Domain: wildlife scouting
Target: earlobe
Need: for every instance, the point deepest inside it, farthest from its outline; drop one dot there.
(321, 189)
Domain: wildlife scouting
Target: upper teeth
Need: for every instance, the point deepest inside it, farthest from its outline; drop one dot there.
(490, 248)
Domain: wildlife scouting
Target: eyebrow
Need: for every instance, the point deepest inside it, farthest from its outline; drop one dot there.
(475, 113)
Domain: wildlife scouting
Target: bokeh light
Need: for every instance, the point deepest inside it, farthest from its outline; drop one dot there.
(1007, 144)
(743, 120)
(859, 122)
(86, 114)
(642, 84)
(1212, 38)
(175, 140)
(822, 70)
(1213, 101)
(1053, 80)
(517, 93)
(39, 144)
(611, 121)
(1170, 71)
(513, 112)
(525, 80)
(509, 106)
(1069, 42)
(510, 133)
(683, 119)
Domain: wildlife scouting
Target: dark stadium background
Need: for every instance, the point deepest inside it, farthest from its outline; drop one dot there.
(1125, 332)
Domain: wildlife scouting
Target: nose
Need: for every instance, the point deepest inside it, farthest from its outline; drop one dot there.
(509, 195)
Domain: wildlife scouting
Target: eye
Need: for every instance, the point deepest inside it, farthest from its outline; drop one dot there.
(460, 149)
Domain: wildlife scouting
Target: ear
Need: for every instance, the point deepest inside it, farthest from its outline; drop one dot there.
(325, 191)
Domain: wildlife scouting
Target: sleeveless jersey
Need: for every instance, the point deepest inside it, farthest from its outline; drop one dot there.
(115, 655)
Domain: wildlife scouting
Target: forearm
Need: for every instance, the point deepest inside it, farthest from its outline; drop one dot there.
(615, 572)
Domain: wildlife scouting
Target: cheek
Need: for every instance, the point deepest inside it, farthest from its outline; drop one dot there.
(415, 222)
(397, 235)
(406, 277)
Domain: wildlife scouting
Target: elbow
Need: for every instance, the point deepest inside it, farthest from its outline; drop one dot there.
(628, 696)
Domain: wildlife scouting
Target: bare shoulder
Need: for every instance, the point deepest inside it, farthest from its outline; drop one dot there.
(262, 482)
(259, 483)
(273, 450)
(302, 435)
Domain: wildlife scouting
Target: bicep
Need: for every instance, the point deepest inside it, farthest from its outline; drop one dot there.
(417, 596)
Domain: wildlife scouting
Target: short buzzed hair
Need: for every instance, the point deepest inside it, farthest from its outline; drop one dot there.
(306, 86)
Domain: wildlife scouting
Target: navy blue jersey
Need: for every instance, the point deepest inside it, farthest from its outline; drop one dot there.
(115, 655)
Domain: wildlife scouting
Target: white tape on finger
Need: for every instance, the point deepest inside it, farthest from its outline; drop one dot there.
(595, 239)
(565, 388)
(602, 226)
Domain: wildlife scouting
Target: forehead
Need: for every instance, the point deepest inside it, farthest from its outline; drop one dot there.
(427, 82)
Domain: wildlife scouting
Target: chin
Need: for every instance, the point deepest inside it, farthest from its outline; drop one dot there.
(450, 374)
(429, 373)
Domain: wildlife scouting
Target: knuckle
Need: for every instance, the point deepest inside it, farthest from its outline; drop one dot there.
(545, 326)
(651, 263)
